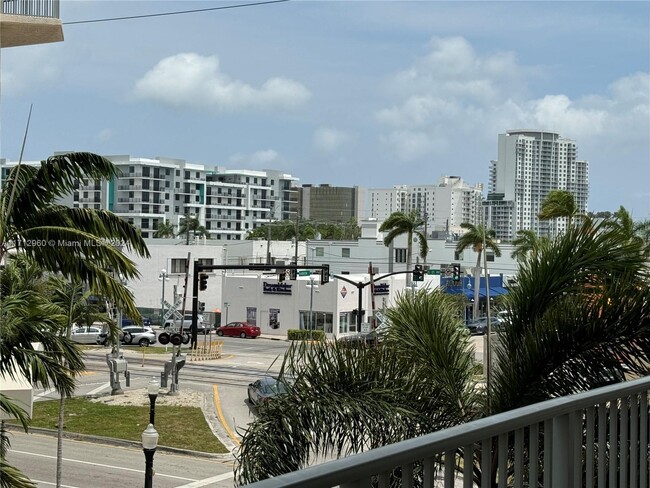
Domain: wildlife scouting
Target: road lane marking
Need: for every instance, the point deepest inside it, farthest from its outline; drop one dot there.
(40, 482)
(100, 465)
(217, 404)
(44, 393)
(99, 388)
(207, 481)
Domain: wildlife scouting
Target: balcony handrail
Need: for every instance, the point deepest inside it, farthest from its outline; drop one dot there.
(369, 463)
(31, 8)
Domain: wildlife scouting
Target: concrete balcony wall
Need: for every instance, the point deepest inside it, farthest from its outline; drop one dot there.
(24, 23)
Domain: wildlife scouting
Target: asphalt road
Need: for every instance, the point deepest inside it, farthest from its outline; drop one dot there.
(100, 466)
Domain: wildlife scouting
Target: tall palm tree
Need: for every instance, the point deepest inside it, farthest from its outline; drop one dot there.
(80, 243)
(479, 238)
(191, 225)
(165, 230)
(527, 242)
(75, 304)
(411, 224)
(345, 399)
(559, 204)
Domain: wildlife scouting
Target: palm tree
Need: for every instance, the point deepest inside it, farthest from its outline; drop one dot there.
(634, 231)
(478, 238)
(191, 225)
(80, 243)
(345, 399)
(399, 223)
(527, 242)
(558, 204)
(74, 303)
(165, 230)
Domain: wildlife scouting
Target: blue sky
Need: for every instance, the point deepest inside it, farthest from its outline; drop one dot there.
(347, 93)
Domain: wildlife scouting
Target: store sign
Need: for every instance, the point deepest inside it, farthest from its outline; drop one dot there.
(382, 289)
(344, 291)
(276, 288)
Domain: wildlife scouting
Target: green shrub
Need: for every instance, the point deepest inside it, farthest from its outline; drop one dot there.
(304, 335)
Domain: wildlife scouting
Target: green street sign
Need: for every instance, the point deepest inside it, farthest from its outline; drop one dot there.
(304, 272)
(433, 271)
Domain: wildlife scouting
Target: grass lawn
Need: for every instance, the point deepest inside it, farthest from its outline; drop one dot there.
(180, 427)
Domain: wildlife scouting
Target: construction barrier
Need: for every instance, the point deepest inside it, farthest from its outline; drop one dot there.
(204, 352)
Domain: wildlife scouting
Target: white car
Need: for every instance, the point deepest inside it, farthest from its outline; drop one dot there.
(86, 334)
(202, 326)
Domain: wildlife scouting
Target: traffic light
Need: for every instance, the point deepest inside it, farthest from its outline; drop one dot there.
(293, 274)
(325, 274)
(203, 281)
(456, 272)
(418, 273)
(282, 275)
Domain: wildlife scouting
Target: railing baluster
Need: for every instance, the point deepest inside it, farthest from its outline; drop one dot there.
(562, 451)
(384, 479)
(468, 464)
(533, 456)
(589, 451)
(602, 445)
(486, 461)
(613, 441)
(450, 468)
(503, 460)
(407, 475)
(634, 439)
(548, 453)
(624, 449)
(519, 458)
(643, 427)
(429, 466)
(577, 421)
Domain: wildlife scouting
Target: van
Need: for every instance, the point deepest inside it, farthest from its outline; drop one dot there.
(202, 327)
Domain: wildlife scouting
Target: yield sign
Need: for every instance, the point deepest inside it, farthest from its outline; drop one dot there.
(344, 291)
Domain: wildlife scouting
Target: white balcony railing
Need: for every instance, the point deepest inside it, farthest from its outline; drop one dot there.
(31, 8)
(597, 438)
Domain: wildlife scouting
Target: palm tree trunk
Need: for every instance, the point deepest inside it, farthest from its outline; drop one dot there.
(59, 441)
(477, 284)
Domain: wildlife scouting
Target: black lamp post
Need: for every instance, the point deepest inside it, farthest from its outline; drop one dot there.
(152, 389)
(149, 445)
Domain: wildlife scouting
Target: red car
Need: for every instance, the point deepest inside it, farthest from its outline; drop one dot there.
(239, 329)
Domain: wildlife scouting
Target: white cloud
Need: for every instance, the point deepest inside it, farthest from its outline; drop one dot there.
(452, 93)
(104, 135)
(192, 80)
(327, 139)
(263, 159)
(24, 69)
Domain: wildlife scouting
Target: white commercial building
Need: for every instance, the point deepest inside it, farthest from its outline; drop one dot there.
(530, 164)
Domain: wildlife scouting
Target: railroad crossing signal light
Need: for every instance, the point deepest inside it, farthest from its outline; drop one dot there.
(203, 281)
(325, 274)
(282, 275)
(418, 273)
(456, 272)
(201, 307)
(293, 274)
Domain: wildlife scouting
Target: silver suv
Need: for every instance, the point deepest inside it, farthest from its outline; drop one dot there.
(202, 327)
(134, 334)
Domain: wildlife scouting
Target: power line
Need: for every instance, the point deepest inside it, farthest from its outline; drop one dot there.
(179, 12)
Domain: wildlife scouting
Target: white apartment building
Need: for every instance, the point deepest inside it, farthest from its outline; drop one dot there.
(530, 164)
(148, 192)
(443, 206)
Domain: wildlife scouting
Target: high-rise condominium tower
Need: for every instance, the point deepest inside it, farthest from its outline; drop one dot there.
(530, 164)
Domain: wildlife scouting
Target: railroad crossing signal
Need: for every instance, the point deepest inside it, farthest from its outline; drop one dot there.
(418, 273)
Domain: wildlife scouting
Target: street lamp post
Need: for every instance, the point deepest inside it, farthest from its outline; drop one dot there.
(152, 389)
(149, 445)
(311, 306)
(226, 305)
(163, 276)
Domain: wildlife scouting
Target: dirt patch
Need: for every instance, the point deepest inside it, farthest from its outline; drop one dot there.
(140, 397)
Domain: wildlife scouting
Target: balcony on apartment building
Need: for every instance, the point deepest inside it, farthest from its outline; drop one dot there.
(29, 22)
(596, 438)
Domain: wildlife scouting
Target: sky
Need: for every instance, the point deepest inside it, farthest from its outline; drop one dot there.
(367, 93)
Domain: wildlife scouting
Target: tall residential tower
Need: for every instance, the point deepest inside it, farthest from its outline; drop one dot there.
(530, 164)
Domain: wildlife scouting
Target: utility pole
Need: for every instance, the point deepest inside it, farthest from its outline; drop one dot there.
(295, 257)
(268, 233)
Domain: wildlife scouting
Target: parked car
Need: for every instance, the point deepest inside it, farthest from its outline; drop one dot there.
(265, 389)
(371, 338)
(134, 334)
(202, 326)
(239, 329)
(479, 326)
(86, 334)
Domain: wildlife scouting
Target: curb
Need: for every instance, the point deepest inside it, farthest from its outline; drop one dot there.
(118, 442)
